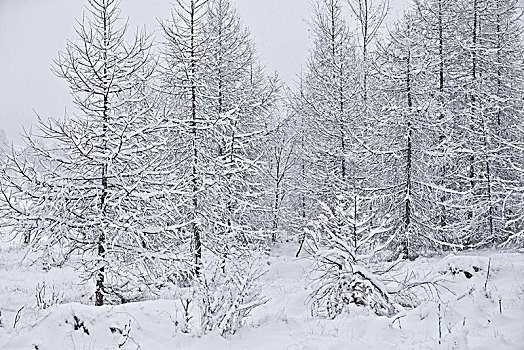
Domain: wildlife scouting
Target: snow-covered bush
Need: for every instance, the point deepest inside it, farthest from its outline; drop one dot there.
(222, 297)
(227, 295)
(338, 287)
(44, 299)
(342, 246)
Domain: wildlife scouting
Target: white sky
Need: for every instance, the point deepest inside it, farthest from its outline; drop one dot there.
(33, 31)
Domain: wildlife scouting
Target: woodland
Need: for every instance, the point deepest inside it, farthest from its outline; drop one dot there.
(186, 163)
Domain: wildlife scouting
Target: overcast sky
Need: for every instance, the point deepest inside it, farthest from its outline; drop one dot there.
(33, 31)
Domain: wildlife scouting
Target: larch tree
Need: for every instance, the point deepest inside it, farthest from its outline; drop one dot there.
(303, 188)
(438, 19)
(501, 103)
(329, 86)
(184, 83)
(94, 187)
(342, 234)
(222, 101)
(463, 157)
(217, 99)
(485, 42)
(336, 153)
(281, 168)
(402, 63)
(242, 100)
(370, 16)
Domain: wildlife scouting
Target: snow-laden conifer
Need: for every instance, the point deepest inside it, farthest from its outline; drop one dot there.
(94, 186)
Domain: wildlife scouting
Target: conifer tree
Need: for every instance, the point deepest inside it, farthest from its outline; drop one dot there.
(241, 102)
(184, 82)
(219, 97)
(94, 184)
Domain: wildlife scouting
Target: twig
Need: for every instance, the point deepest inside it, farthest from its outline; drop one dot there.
(487, 275)
(439, 325)
(398, 319)
(17, 316)
(302, 240)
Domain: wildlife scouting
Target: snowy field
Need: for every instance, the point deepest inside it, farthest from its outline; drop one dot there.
(473, 314)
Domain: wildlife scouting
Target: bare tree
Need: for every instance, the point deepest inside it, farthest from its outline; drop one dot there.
(184, 81)
(370, 15)
(96, 183)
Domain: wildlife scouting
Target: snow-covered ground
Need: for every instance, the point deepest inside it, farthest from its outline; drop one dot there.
(471, 316)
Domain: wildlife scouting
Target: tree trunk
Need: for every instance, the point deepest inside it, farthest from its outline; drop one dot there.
(194, 143)
(409, 159)
(101, 251)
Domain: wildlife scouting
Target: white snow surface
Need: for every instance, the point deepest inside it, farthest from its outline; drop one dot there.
(470, 315)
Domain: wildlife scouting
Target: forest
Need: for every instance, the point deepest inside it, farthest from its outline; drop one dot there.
(186, 165)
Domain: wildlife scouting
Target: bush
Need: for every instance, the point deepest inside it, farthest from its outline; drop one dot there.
(228, 294)
(340, 285)
(342, 246)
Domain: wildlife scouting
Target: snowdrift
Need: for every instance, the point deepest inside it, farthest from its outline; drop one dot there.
(465, 313)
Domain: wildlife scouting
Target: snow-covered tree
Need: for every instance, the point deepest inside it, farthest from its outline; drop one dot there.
(96, 184)
(406, 134)
(325, 101)
(184, 82)
(220, 98)
(220, 103)
(242, 102)
(281, 168)
(476, 45)
(369, 15)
